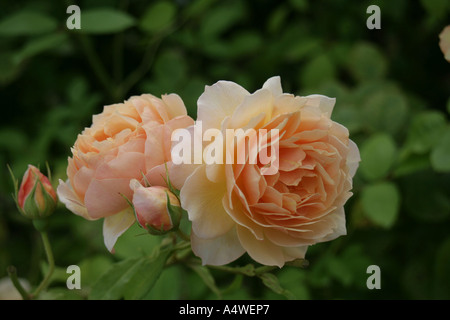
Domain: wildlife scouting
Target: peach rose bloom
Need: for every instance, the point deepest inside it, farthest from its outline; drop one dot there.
(124, 142)
(234, 208)
(444, 42)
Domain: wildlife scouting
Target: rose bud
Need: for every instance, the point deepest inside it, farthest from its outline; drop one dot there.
(36, 197)
(156, 208)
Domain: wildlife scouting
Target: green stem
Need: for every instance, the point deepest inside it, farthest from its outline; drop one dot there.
(247, 270)
(264, 269)
(51, 264)
(12, 273)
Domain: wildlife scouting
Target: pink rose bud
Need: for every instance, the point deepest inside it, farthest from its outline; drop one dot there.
(157, 209)
(36, 197)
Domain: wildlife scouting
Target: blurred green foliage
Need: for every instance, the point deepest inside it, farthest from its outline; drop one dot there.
(392, 88)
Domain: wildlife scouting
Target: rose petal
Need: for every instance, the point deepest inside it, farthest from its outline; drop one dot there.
(217, 251)
(263, 251)
(81, 181)
(175, 106)
(260, 102)
(103, 197)
(285, 239)
(274, 85)
(219, 101)
(293, 253)
(337, 221)
(208, 216)
(288, 103)
(180, 171)
(157, 150)
(353, 158)
(68, 197)
(324, 103)
(252, 183)
(114, 226)
(126, 165)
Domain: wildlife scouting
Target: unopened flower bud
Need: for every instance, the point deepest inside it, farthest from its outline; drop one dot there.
(36, 197)
(157, 209)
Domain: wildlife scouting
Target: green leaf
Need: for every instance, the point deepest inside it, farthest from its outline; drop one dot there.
(385, 110)
(93, 268)
(158, 16)
(197, 7)
(295, 282)
(146, 275)
(271, 282)
(245, 43)
(440, 155)
(378, 154)
(41, 44)
(105, 21)
(220, 19)
(207, 278)
(381, 202)
(366, 62)
(425, 131)
(135, 242)
(61, 294)
(338, 268)
(24, 23)
(131, 278)
(277, 19)
(111, 285)
(170, 284)
(354, 258)
(317, 71)
(302, 48)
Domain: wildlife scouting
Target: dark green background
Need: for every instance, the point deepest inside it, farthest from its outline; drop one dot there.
(392, 88)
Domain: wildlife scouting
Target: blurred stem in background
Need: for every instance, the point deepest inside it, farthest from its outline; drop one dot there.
(98, 67)
(12, 272)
